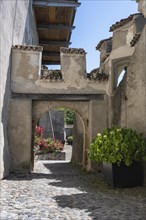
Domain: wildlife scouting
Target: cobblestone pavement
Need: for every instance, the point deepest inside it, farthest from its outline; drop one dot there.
(60, 191)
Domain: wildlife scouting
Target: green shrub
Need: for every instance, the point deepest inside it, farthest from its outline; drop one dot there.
(118, 145)
(70, 140)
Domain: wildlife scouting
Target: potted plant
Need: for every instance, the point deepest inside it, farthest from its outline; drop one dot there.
(122, 151)
(70, 140)
(47, 148)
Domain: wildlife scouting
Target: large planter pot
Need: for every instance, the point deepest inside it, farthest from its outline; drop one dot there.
(124, 176)
(51, 156)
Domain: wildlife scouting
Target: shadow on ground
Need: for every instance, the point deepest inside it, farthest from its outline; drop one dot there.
(71, 176)
(93, 195)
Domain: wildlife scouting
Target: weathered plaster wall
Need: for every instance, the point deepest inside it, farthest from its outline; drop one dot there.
(26, 66)
(78, 141)
(19, 134)
(17, 25)
(119, 38)
(118, 58)
(136, 87)
(97, 122)
(142, 6)
(105, 49)
(129, 100)
(73, 68)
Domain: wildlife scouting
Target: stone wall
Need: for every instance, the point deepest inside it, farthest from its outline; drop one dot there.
(78, 141)
(73, 69)
(131, 93)
(19, 134)
(136, 87)
(97, 122)
(17, 25)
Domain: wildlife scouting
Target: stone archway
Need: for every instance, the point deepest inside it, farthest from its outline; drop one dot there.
(24, 114)
(81, 108)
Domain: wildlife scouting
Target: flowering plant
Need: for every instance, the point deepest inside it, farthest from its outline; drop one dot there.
(46, 145)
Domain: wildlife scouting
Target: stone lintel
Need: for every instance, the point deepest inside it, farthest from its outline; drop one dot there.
(58, 97)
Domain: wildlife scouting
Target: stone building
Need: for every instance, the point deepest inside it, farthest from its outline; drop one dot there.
(28, 90)
(125, 53)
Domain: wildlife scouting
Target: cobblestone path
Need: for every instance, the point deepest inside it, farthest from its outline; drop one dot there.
(59, 191)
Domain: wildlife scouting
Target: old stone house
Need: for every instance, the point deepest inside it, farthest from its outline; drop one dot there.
(27, 92)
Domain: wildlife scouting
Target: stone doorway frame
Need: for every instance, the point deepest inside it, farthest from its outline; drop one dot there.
(24, 113)
(81, 108)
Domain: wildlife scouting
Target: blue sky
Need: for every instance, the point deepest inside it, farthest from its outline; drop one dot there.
(92, 21)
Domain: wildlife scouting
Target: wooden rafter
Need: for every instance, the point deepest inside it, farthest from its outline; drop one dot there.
(47, 62)
(60, 43)
(43, 26)
(51, 54)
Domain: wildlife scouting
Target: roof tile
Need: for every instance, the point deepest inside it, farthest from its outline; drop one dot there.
(122, 22)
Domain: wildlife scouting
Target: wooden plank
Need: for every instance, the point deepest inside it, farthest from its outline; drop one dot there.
(42, 26)
(59, 97)
(61, 43)
(55, 3)
(55, 35)
(50, 54)
(48, 62)
(51, 48)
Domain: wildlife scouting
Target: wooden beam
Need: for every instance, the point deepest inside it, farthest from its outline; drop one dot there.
(57, 43)
(43, 26)
(48, 62)
(56, 3)
(59, 97)
(51, 54)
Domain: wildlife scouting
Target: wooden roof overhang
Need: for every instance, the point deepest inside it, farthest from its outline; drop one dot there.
(55, 20)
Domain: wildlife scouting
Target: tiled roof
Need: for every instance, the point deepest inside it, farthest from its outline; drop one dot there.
(122, 22)
(101, 42)
(135, 39)
(104, 57)
(28, 47)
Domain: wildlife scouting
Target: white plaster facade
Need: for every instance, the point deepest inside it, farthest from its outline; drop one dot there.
(17, 25)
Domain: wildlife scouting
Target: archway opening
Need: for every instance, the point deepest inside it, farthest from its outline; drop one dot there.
(120, 69)
(60, 133)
